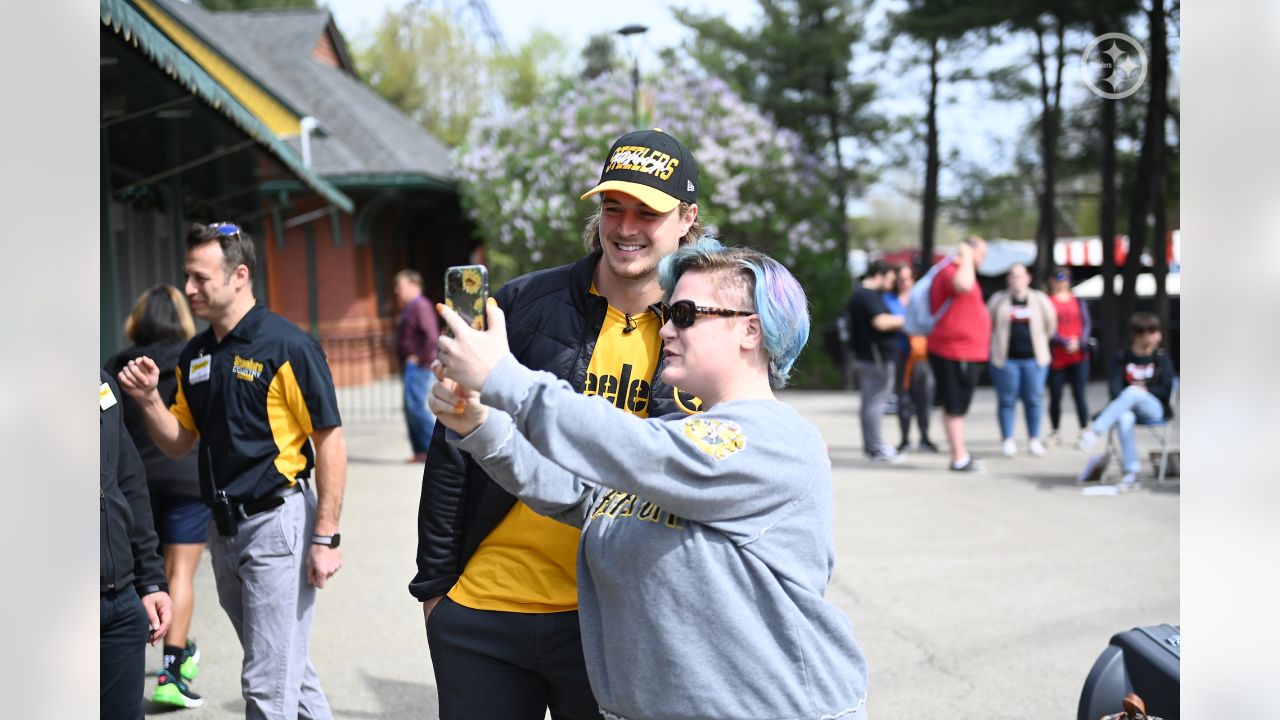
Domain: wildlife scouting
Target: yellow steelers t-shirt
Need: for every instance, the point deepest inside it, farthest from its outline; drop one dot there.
(528, 563)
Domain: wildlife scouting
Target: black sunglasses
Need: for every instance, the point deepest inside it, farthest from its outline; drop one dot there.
(225, 228)
(682, 313)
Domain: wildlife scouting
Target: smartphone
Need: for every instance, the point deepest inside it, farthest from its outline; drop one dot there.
(466, 290)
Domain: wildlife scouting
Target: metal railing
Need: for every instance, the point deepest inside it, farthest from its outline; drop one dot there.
(366, 375)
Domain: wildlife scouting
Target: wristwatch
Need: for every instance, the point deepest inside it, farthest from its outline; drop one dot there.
(330, 540)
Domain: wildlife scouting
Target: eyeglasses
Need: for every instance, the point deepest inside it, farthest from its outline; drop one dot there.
(1145, 330)
(225, 228)
(682, 313)
(1062, 277)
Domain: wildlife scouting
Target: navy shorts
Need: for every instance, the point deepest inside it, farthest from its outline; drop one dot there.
(180, 520)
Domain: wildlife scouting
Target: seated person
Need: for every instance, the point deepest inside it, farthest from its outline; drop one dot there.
(707, 540)
(1140, 382)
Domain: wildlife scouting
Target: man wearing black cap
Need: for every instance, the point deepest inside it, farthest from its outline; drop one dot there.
(498, 581)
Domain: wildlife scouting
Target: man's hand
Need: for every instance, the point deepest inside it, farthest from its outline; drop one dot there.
(322, 562)
(139, 378)
(1073, 344)
(459, 410)
(428, 606)
(159, 613)
(470, 355)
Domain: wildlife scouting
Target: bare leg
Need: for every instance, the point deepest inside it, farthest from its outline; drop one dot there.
(180, 562)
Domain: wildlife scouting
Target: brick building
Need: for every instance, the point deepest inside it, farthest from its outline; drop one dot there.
(259, 118)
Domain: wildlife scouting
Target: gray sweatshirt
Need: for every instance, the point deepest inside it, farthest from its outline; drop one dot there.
(706, 549)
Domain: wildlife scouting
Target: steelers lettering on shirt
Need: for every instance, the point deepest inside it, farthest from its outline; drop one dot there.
(246, 368)
(1139, 372)
(617, 504)
(625, 391)
(717, 438)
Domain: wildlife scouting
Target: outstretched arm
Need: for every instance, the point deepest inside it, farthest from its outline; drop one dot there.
(140, 378)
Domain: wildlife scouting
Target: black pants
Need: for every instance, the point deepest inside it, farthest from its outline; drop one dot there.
(1078, 376)
(916, 401)
(508, 666)
(122, 654)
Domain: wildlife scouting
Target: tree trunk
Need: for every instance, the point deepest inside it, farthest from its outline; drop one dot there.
(1045, 228)
(929, 220)
(1108, 322)
(1144, 192)
(1158, 109)
(833, 131)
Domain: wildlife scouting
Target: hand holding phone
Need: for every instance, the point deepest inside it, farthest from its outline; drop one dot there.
(466, 290)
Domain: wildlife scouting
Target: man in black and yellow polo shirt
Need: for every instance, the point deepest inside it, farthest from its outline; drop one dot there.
(498, 582)
(257, 392)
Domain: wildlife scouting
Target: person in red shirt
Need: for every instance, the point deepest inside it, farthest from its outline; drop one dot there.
(960, 343)
(1070, 353)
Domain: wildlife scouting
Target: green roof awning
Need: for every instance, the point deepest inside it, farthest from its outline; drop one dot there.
(136, 29)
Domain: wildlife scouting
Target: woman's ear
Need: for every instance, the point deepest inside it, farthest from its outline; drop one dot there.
(753, 335)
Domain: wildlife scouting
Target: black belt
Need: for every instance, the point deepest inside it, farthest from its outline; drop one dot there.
(249, 508)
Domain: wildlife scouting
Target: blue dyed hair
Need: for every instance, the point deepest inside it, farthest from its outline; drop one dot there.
(778, 298)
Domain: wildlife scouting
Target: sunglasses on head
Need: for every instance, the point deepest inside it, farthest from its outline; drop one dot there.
(682, 313)
(225, 228)
(1062, 277)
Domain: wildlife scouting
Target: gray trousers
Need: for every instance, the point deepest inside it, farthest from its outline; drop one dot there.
(876, 384)
(262, 586)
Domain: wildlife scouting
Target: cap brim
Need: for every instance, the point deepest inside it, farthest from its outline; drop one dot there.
(654, 198)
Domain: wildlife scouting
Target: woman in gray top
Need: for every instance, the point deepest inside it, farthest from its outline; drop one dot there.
(706, 539)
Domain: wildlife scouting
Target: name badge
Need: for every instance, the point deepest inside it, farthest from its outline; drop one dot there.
(199, 369)
(106, 398)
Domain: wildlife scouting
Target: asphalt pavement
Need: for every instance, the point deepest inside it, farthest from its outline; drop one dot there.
(972, 596)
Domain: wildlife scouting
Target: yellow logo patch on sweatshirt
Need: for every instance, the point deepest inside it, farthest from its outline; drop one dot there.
(714, 437)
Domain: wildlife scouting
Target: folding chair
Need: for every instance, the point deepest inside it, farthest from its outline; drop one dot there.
(1161, 431)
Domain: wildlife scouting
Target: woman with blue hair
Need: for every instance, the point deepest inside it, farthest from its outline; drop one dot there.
(707, 539)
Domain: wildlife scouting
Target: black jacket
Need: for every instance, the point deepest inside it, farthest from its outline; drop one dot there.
(553, 322)
(174, 477)
(1160, 384)
(128, 543)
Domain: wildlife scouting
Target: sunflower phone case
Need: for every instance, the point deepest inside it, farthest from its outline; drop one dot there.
(466, 290)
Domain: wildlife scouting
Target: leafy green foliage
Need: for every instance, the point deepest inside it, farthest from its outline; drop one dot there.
(430, 67)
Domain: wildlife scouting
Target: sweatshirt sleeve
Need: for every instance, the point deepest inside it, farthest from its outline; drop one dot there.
(508, 458)
(1087, 322)
(693, 466)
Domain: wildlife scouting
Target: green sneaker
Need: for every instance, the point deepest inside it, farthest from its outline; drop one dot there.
(173, 691)
(190, 666)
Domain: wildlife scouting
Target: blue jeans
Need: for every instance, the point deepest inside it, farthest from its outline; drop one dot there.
(1020, 379)
(1131, 406)
(417, 385)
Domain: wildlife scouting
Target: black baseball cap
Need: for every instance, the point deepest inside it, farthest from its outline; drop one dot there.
(651, 166)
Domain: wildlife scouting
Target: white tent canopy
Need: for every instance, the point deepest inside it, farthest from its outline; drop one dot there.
(1092, 288)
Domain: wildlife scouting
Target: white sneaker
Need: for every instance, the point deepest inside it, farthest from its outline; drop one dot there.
(1128, 482)
(1035, 447)
(1087, 440)
(1009, 448)
(1053, 440)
